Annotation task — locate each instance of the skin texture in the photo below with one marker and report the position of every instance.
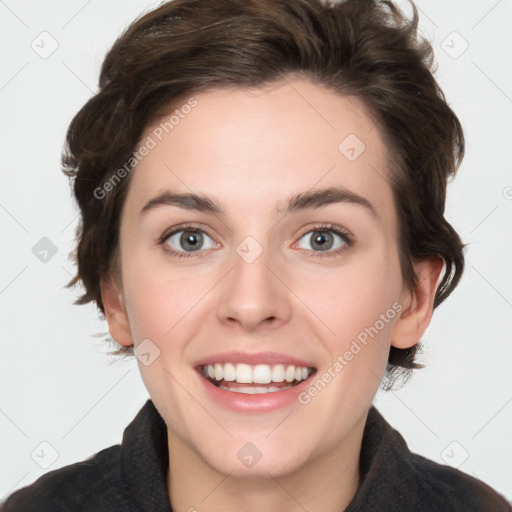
(252, 150)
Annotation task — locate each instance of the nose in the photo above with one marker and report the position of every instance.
(253, 294)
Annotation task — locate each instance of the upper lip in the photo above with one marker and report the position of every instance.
(270, 358)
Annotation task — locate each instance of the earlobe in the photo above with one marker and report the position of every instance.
(417, 313)
(115, 313)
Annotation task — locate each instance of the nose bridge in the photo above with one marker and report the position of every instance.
(252, 293)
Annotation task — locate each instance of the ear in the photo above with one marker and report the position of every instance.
(115, 312)
(418, 304)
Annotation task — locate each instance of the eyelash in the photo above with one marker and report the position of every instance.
(342, 233)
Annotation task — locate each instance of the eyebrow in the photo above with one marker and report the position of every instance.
(303, 201)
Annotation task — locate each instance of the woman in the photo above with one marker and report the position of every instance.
(262, 187)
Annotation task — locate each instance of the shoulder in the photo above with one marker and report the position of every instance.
(87, 485)
(397, 479)
(447, 488)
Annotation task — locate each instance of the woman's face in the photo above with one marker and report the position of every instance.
(261, 274)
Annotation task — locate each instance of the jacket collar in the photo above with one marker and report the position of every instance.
(145, 461)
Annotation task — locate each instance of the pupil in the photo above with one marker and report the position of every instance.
(320, 238)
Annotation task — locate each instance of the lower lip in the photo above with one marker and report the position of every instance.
(260, 402)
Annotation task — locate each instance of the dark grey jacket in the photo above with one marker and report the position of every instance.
(132, 477)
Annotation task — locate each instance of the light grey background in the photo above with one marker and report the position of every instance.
(57, 385)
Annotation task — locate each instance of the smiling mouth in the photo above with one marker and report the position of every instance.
(255, 379)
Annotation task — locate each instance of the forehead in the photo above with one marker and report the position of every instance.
(255, 147)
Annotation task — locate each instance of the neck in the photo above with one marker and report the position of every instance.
(328, 483)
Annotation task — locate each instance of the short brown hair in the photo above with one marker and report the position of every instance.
(366, 48)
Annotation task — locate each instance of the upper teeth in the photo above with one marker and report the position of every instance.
(259, 374)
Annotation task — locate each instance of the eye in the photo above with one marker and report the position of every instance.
(330, 239)
(186, 240)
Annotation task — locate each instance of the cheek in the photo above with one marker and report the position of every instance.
(166, 312)
(360, 307)
(162, 304)
(351, 300)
